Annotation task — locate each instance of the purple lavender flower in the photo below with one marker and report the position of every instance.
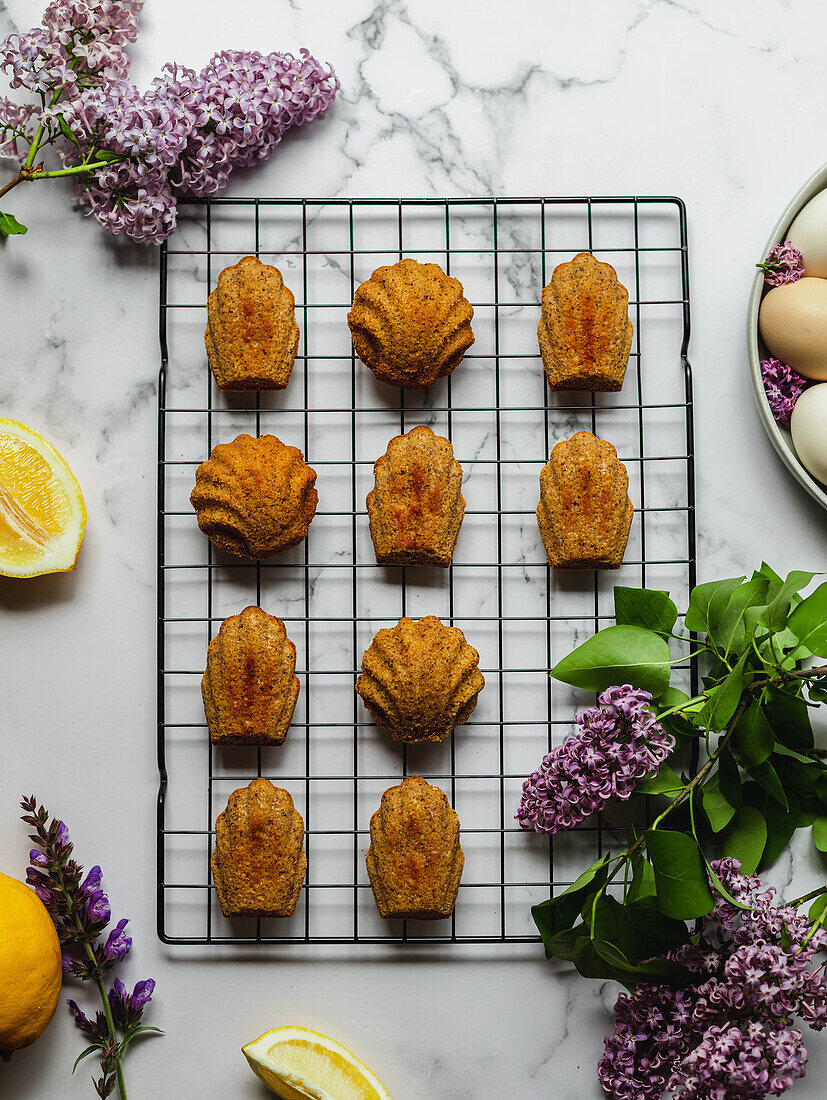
(730, 1036)
(117, 944)
(784, 264)
(618, 743)
(127, 1008)
(783, 387)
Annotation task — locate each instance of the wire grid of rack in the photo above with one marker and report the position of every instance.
(332, 597)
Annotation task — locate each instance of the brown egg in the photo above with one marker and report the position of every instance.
(793, 325)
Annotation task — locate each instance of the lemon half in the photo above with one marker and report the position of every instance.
(300, 1064)
(42, 514)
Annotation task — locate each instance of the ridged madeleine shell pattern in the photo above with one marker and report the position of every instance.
(250, 685)
(259, 863)
(415, 860)
(585, 513)
(255, 497)
(251, 335)
(411, 324)
(585, 334)
(416, 506)
(420, 679)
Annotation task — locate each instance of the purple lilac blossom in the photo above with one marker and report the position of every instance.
(729, 1036)
(784, 264)
(783, 387)
(183, 136)
(618, 743)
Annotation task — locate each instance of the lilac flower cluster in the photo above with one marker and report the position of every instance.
(618, 743)
(730, 1036)
(783, 387)
(784, 264)
(184, 135)
(81, 913)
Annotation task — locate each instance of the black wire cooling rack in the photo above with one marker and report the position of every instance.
(503, 421)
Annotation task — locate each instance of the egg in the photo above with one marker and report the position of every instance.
(809, 430)
(808, 234)
(793, 325)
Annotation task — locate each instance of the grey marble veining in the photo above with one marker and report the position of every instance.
(720, 104)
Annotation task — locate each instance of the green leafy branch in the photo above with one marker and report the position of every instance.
(761, 779)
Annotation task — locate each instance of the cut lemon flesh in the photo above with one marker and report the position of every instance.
(300, 1064)
(42, 514)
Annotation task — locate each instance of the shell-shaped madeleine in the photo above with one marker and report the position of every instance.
(258, 863)
(415, 860)
(411, 324)
(251, 335)
(420, 679)
(255, 497)
(416, 506)
(250, 685)
(585, 334)
(585, 513)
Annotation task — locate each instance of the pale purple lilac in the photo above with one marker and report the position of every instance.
(784, 264)
(783, 387)
(730, 1036)
(184, 135)
(618, 743)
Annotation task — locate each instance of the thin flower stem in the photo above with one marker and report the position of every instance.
(80, 168)
(12, 183)
(681, 706)
(807, 897)
(38, 137)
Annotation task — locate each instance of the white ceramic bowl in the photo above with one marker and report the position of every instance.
(780, 437)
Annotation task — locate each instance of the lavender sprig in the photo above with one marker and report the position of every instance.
(132, 153)
(81, 912)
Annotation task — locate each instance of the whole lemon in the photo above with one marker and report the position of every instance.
(30, 970)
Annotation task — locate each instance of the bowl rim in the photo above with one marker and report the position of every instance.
(779, 439)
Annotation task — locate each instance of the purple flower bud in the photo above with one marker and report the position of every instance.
(63, 835)
(117, 945)
(92, 883)
(142, 993)
(37, 881)
(37, 857)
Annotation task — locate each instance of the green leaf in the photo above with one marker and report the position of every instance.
(778, 609)
(680, 875)
(723, 699)
(731, 632)
(65, 130)
(708, 602)
(598, 959)
(559, 913)
(647, 607)
(719, 812)
(745, 838)
(809, 622)
(10, 226)
(753, 735)
(781, 823)
(618, 655)
(643, 882)
(729, 779)
(85, 1054)
(109, 157)
(817, 908)
(820, 833)
(664, 781)
(767, 776)
(789, 717)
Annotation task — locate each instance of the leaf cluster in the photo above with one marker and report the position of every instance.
(761, 777)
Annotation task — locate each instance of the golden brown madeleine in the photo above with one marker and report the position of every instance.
(416, 506)
(259, 864)
(420, 679)
(585, 513)
(250, 685)
(415, 860)
(585, 334)
(251, 335)
(411, 324)
(255, 497)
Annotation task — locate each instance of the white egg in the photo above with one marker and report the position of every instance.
(809, 430)
(808, 234)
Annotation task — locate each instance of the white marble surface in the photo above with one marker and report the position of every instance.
(720, 104)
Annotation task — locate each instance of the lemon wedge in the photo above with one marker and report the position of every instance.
(300, 1064)
(42, 514)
